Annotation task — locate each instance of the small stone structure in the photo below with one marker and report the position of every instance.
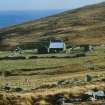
(88, 78)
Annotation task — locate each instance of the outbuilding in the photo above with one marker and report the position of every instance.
(56, 47)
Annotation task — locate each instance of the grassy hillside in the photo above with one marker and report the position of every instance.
(83, 25)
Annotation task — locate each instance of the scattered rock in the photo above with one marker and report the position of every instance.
(67, 82)
(96, 94)
(63, 82)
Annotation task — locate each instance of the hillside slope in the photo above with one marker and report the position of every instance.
(83, 25)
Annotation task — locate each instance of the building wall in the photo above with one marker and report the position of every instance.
(55, 50)
(42, 50)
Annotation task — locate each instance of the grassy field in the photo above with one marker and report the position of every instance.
(53, 67)
(41, 75)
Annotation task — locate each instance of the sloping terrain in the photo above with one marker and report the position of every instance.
(81, 26)
(43, 80)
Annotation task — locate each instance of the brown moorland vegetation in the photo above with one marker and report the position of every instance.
(80, 26)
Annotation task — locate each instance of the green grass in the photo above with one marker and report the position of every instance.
(41, 61)
(4, 53)
(37, 63)
(42, 71)
(47, 62)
